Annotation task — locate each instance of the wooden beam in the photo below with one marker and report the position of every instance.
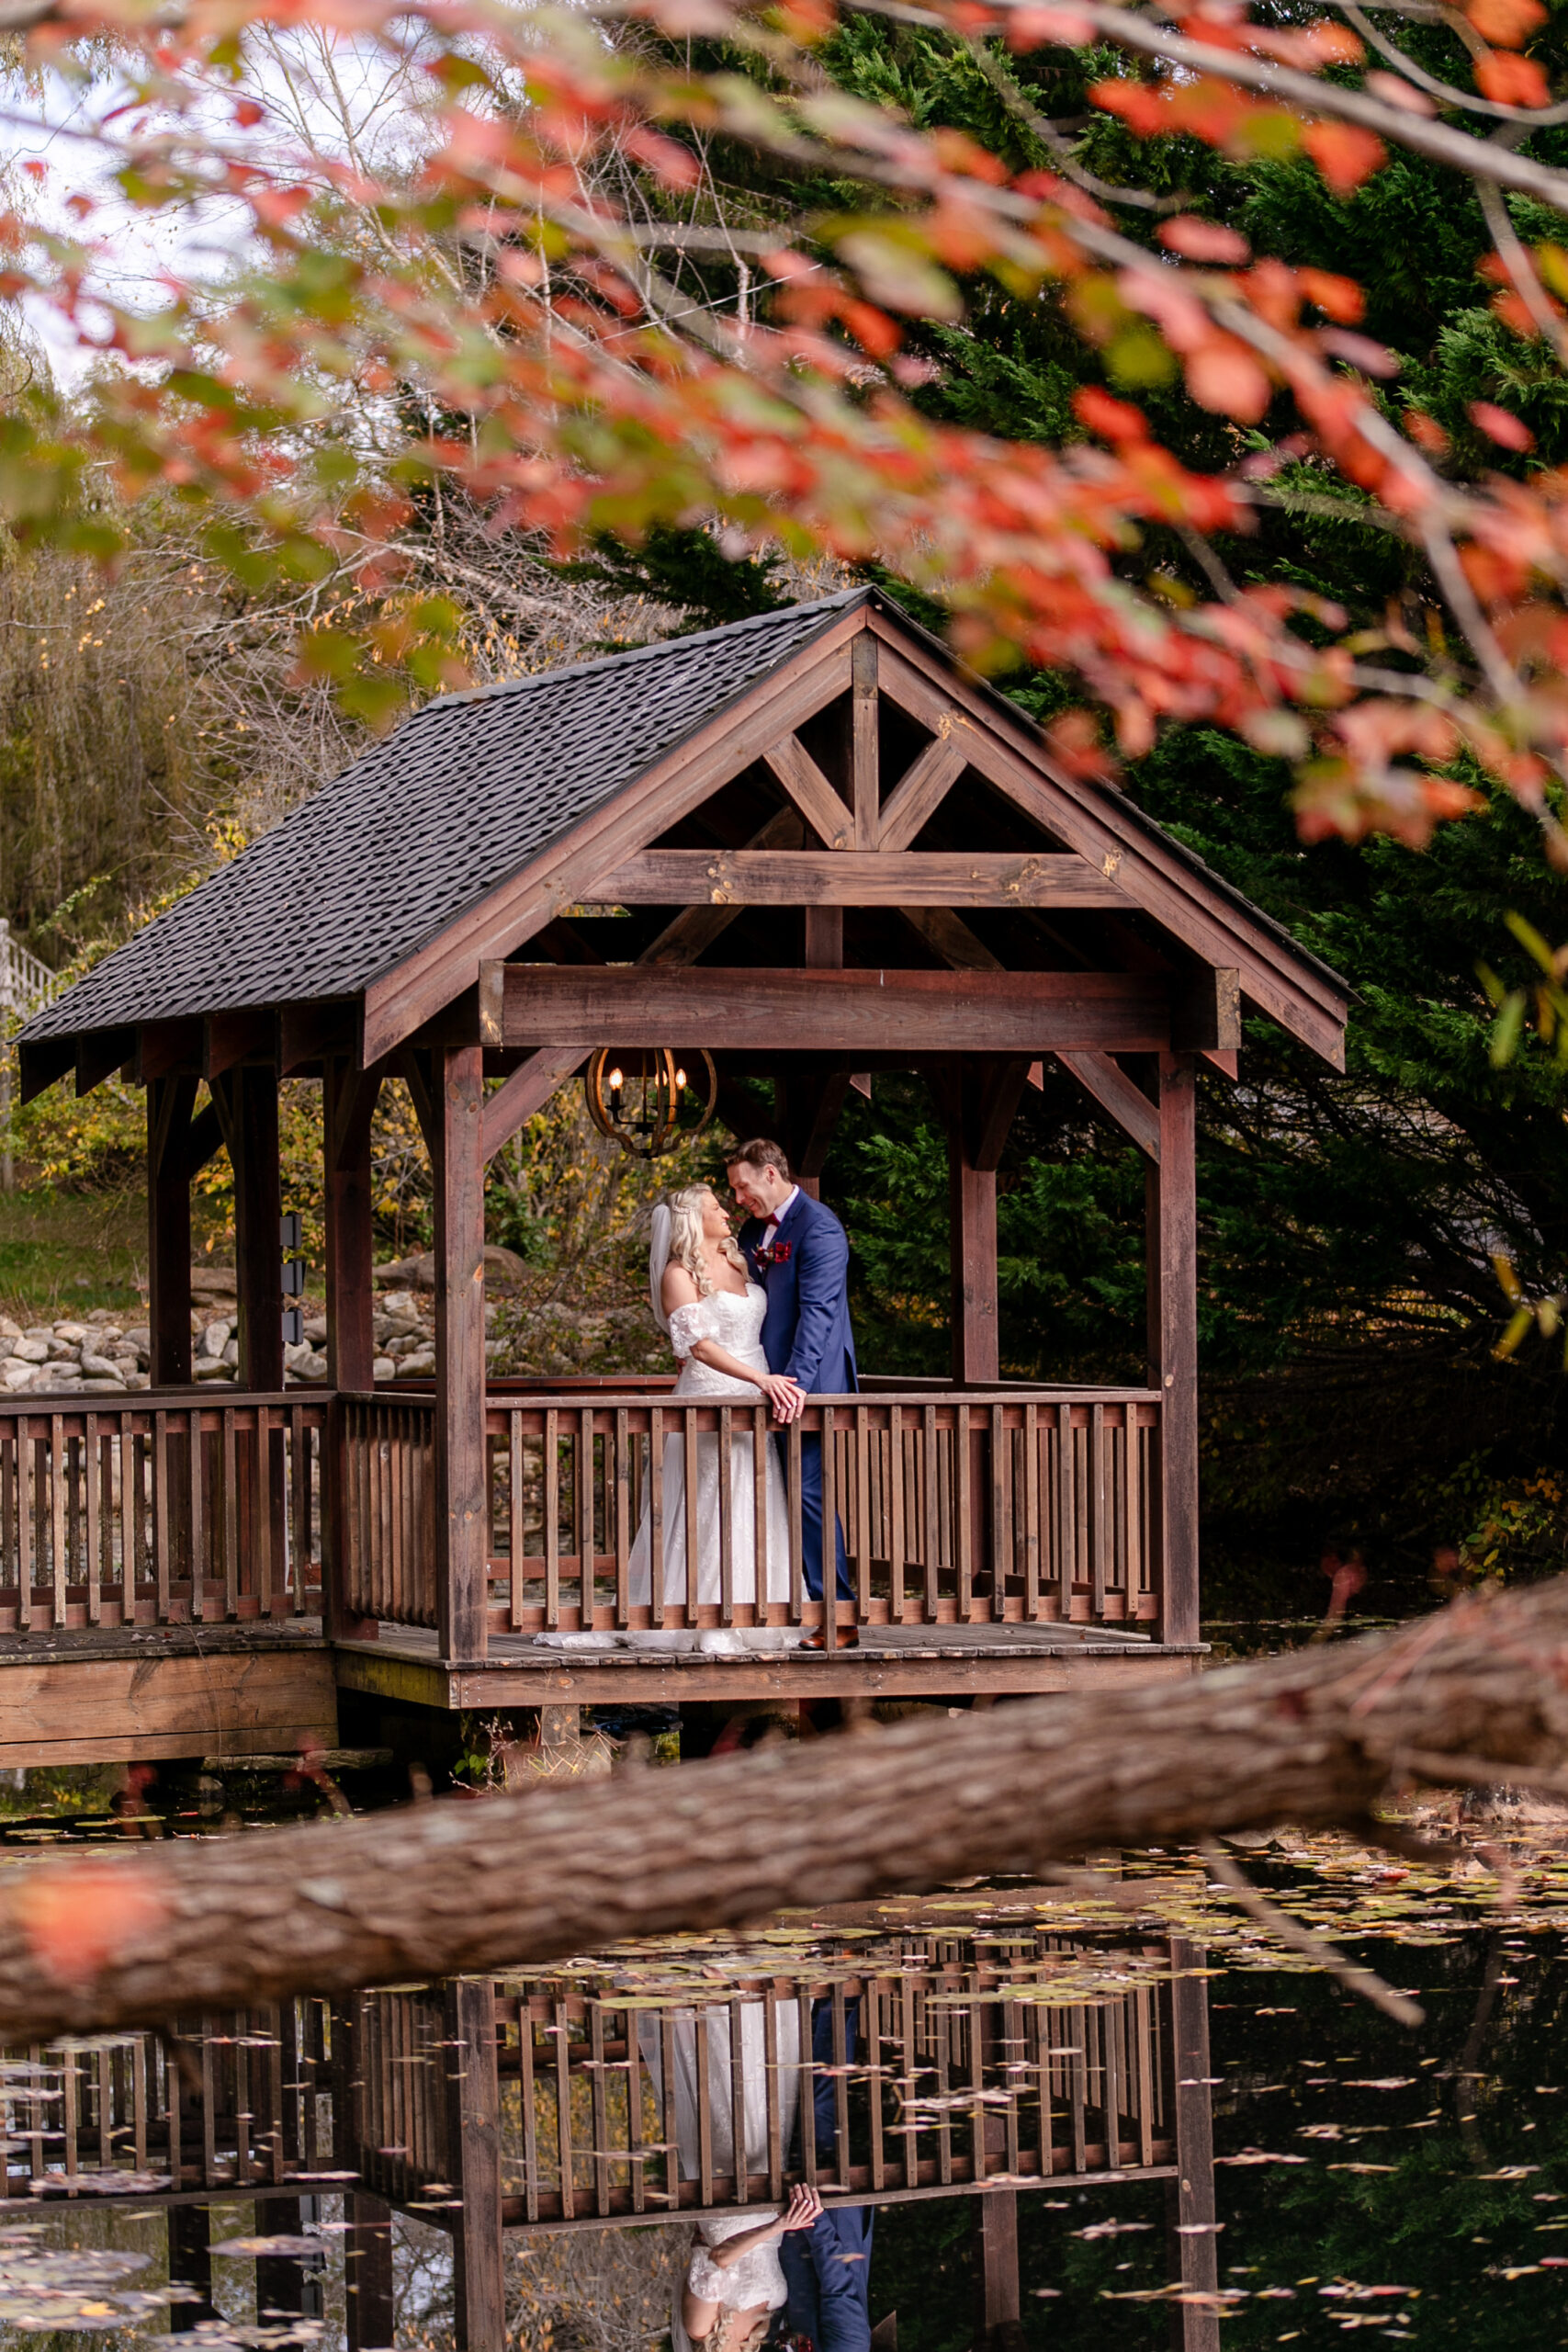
(169, 1049)
(169, 1102)
(528, 1088)
(1172, 1260)
(865, 756)
(42, 1060)
(313, 1031)
(1205, 1012)
(693, 933)
(348, 1106)
(369, 2301)
(923, 787)
(991, 1094)
(692, 878)
(919, 1012)
(99, 1053)
(823, 938)
(414, 1069)
(687, 774)
(807, 1107)
(995, 2231)
(1008, 754)
(204, 1138)
(462, 1565)
(1116, 1093)
(811, 792)
(231, 1039)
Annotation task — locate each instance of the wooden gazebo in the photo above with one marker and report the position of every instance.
(812, 843)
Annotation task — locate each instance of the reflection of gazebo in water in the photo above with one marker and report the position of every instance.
(960, 2060)
(813, 845)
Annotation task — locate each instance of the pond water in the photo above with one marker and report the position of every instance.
(1410, 2180)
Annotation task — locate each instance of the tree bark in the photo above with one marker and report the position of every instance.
(1315, 1738)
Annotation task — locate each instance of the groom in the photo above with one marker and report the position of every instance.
(800, 1254)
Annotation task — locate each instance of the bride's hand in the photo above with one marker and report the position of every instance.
(784, 1395)
(804, 2209)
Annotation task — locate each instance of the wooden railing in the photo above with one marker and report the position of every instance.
(160, 1513)
(938, 2073)
(229, 2103)
(1018, 1507)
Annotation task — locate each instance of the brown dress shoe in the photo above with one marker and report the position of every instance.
(847, 1637)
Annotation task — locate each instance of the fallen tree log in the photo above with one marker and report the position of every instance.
(1318, 1737)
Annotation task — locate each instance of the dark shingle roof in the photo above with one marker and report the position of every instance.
(425, 826)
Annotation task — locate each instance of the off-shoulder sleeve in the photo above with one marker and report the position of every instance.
(690, 1324)
(703, 2276)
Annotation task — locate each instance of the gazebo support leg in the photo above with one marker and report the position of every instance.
(348, 1103)
(1172, 1242)
(257, 1207)
(461, 1534)
(972, 1197)
(169, 1104)
(1193, 2251)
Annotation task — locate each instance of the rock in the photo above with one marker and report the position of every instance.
(137, 1380)
(232, 1353)
(139, 1337)
(215, 1339)
(423, 1360)
(63, 1351)
(72, 1334)
(15, 1374)
(383, 1369)
(501, 1266)
(94, 1367)
(310, 1366)
(316, 1331)
(213, 1282)
(32, 1348)
(210, 1368)
(100, 1385)
(9, 1331)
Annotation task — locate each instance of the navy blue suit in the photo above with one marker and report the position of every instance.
(828, 2272)
(806, 1333)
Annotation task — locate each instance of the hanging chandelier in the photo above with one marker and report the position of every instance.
(650, 1101)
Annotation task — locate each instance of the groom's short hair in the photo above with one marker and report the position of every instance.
(761, 1152)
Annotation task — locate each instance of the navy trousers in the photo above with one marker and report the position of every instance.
(828, 2272)
(811, 1524)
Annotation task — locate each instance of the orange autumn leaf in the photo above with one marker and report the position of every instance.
(1224, 376)
(77, 1920)
(1509, 432)
(1511, 81)
(1198, 240)
(1344, 155)
(1509, 23)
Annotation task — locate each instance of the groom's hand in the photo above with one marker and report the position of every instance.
(788, 1399)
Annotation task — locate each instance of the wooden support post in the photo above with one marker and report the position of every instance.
(972, 1214)
(996, 2232)
(462, 1565)
(251, 1094)
(284, 2287)
(169, 1104)
(473, 2134)
(1172, 1258)
(367, 2264)
(191, 2264)
(348, 1103)
(864, 763)
(1192, 2251)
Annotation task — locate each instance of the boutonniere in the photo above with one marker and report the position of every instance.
(781, 1252)
(773, 1253)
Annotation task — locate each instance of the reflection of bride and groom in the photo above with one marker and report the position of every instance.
(763, 1314)
(799, 2276)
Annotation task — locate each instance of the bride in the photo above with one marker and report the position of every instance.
(712, 1315)
(703, 1300)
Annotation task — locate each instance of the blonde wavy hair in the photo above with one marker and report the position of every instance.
(686, 1246)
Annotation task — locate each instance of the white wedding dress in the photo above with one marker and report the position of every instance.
(733, 1320)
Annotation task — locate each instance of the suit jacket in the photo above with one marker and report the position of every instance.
(805, 1331)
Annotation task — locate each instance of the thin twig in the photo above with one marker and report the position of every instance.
(1350, 1974)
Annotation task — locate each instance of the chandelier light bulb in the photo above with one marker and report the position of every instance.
(679, 1078)
(618, 1081)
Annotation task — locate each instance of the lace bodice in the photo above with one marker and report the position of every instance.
(757, 2279)
(732, 1320)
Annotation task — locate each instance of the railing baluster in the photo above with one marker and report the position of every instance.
(59, 1483)
(552, 1519)
(762, 1522)
(740, 2185)
(931, 1514)
(896, 1514)
(774, 2089)
(229, 1443)
(515, 1529)
(861, 1438)
(621, 1499)
(656, 1510)
(194, 1468)
(796, 1545)
(725, 1516)
(92, 1526)
(830, 1458)
(690, 1538)
(584, 1493)
(1096, 1508)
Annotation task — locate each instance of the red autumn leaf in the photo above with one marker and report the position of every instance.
(1509, 23)
(1140, 108)
(1029, 29)
(79, 1918)
(247, 114)
(1113, 420)
(1425, 431)
(1198, 240)
(1511, 81)
(1509, 432)
(1224, 376)
(1344, 155)
(675, 165)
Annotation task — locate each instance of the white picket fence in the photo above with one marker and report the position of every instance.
(26, 984)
